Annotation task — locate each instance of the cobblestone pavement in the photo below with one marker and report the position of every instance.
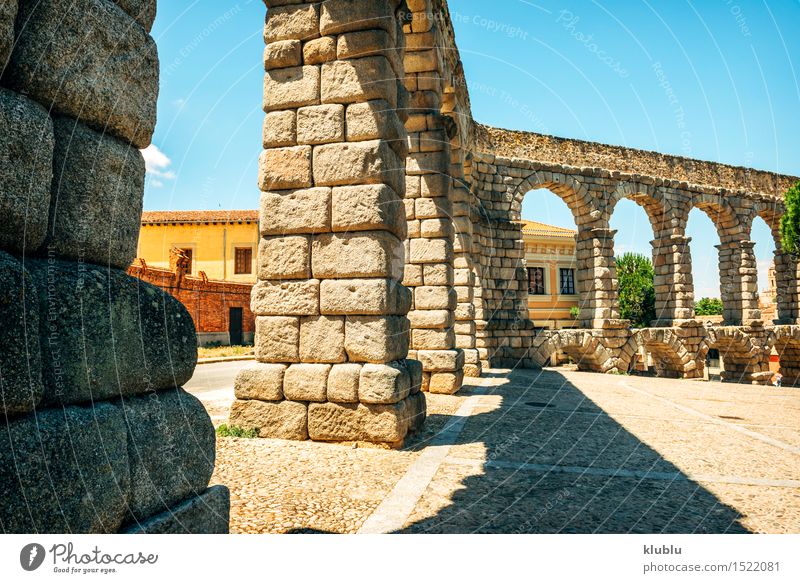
(539, 451)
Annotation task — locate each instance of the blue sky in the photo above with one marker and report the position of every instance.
(715, 80)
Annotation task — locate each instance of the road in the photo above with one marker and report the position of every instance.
(218, 376)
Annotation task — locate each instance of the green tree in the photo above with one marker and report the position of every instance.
(790, 221)
(708, 307)
(637, 296)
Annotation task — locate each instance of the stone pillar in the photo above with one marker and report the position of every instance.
(596, 275)
(731, 294)
(786, 288)
(429, 209)
(332, 334)
(93, 422)
(674, 287)
(748, 283)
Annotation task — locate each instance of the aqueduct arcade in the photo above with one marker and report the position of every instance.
(414, 271)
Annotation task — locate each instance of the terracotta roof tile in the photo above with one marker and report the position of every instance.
(536, 228)
(220, 216)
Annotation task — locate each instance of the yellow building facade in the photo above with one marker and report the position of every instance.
(221, 244)
(552, 280)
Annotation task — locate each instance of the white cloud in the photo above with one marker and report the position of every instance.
(157, 164)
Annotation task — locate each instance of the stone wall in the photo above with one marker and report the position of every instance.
(207, 301)
(97, 436)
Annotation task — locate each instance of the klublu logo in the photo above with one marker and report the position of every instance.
(31, 556)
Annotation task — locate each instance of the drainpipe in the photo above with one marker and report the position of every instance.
(225, 253)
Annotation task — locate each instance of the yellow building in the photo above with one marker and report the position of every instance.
(552, 283)
(222, 244)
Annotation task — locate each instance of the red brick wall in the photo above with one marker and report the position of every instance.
(207, 301)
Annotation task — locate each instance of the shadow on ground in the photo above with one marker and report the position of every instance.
(541, 457)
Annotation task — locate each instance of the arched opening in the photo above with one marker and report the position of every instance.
(656, 352)
(704, 274)
(765, 235)
(549, 236)
(637, 263)
(742, 359)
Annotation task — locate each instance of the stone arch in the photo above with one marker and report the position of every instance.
(744, 359)
(722, 214)
(670, 356)
(650, 198)
(786, 342)
(735, 253)
(787, 293)
(585, 349)
(564, 186)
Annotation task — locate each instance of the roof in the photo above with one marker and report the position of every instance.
(544, 230)
(220, 216)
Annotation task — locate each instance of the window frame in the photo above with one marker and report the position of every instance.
(531, 290)
(570, 281)
(236, 251)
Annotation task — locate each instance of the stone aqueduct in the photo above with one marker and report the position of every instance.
(372, 160)
(390, 261)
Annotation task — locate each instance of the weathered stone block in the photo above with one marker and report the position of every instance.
(417, 410)
(8, 10)
(343, 383)
(371, 297)
(283, 53)
(64, 471)
(306, 382)
(437, 274)
(414, 368)
(277, 339)
(282, 420)
(383, 383)
(100, 70)
(367, 208)
(437, 297)
(260, 381)
(338, 16)
(432, 208)
(322, 339)
(433, 339)
(96, 200)
(446, 383)
(351, 422)
(208, 513)
(431, 250)
(358, 80)
(285, 168)
(320, 124)
(362, 254)
(280, 129)
(319, 50)
(26, 167)
(370, 162)
(291, 87)
(441, 360)
(366, 43)
(430, 318)
(295, 211)
(86, 306)
(282, 258)
(291, 22)
(142, 11)
(20, 360)
(171, 448)
(373, 120)
(376, 339)
(285, 298)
